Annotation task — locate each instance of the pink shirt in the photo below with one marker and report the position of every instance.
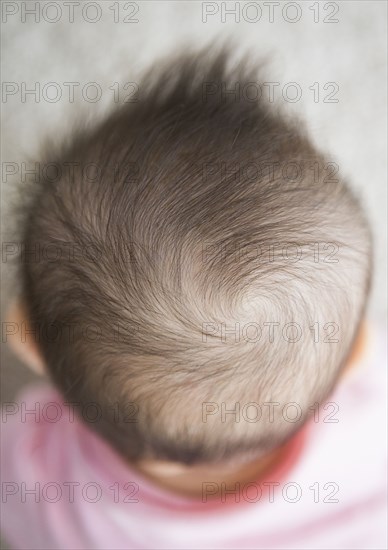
(65, 488)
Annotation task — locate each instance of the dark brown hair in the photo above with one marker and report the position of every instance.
(150, 251)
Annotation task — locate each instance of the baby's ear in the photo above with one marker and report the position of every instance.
(22, 339)
(359, 348)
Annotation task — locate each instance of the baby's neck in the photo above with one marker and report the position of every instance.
(189, 481)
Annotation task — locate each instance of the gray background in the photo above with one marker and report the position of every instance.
(350, 52)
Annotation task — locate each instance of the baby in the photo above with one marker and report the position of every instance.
(194, 282)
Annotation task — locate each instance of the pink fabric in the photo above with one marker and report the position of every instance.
(349, 455)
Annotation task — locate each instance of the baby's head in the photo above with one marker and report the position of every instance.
(197, 255)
